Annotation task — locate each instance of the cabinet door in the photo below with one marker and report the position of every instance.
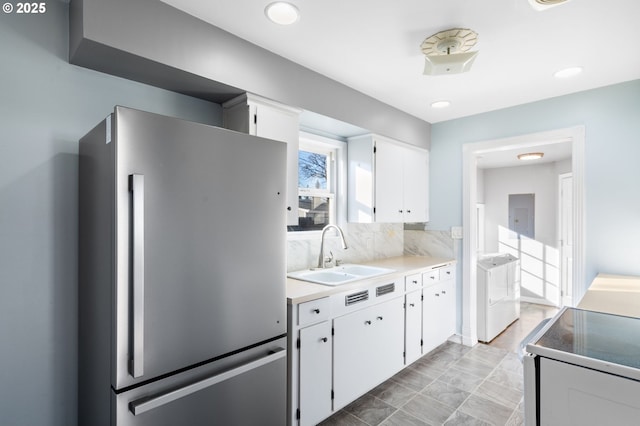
(431, 318)
(388, 182)
(416, 185)
(367, 349)
(448, 311)
(273, 123)
(413, 326)
(315, 373)
(389, 339)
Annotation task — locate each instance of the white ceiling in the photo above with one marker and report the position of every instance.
(553, 151)
(374, 47)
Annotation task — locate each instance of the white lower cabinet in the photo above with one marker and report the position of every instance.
(367, 349)
(340, 347)
(315, 373)
(438, 308)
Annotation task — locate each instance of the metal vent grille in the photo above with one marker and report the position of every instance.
(385, 289)
(360, 296)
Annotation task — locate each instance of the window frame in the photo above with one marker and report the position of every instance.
(336, 179)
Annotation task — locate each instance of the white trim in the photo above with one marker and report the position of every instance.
(563, 281)
(537, 301)
(470, 151)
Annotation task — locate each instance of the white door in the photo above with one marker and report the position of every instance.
(566, 237)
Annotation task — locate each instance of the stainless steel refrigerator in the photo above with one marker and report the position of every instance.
(182, 315)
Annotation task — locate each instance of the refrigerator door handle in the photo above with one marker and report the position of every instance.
(146, 404)
(136, 187)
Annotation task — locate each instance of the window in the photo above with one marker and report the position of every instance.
(319, 161)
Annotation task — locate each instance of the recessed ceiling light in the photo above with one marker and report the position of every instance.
(530, 156)
(440, 104)
(282, 13)
(568, 72)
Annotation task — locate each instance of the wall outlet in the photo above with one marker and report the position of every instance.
(456, 232)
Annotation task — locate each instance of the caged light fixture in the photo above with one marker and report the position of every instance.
(447, 52)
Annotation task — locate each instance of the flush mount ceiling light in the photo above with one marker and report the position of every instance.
(545, 4)
(568, 72)
(447, 52)
(530, 156)
(282, 13)
(440, 104)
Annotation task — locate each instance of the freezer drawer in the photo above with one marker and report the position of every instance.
(248, 389)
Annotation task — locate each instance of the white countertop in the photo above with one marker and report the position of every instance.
(302, 291)
(613, 294)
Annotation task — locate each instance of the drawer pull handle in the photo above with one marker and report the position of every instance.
(324, 339)
(367, 323)
(438, 294)
(412, 304)
(317, 311)
(145, 404)
(379, 318)
(444, 292)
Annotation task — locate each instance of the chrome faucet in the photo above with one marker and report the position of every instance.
(321, 259)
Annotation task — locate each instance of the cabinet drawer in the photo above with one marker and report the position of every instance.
(412, 282)
(447, 273)
(431, 277)
(313, 311)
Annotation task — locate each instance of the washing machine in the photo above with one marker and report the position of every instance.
(498, 294)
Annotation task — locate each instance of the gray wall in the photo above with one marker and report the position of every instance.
(46, 105)
(151, 39)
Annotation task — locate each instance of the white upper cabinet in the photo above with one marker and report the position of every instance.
(388, 181)
(265, 118)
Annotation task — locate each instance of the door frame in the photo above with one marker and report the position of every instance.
(470, 151)
(565, 283)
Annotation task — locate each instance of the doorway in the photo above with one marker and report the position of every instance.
(471, 151)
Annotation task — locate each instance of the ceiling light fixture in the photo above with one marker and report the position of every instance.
(447, 52)
(440, 104)
(282, 13)
(545, 4)
(530, 156)
(568, 72)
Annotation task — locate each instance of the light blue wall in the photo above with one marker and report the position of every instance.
(46, 105)
(611, 116)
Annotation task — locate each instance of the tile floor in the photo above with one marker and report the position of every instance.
(452, 385)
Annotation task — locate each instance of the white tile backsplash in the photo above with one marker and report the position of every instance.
(430, 243)
(366, 242)
(371, 241)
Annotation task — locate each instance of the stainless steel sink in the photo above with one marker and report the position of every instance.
(339, 275)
